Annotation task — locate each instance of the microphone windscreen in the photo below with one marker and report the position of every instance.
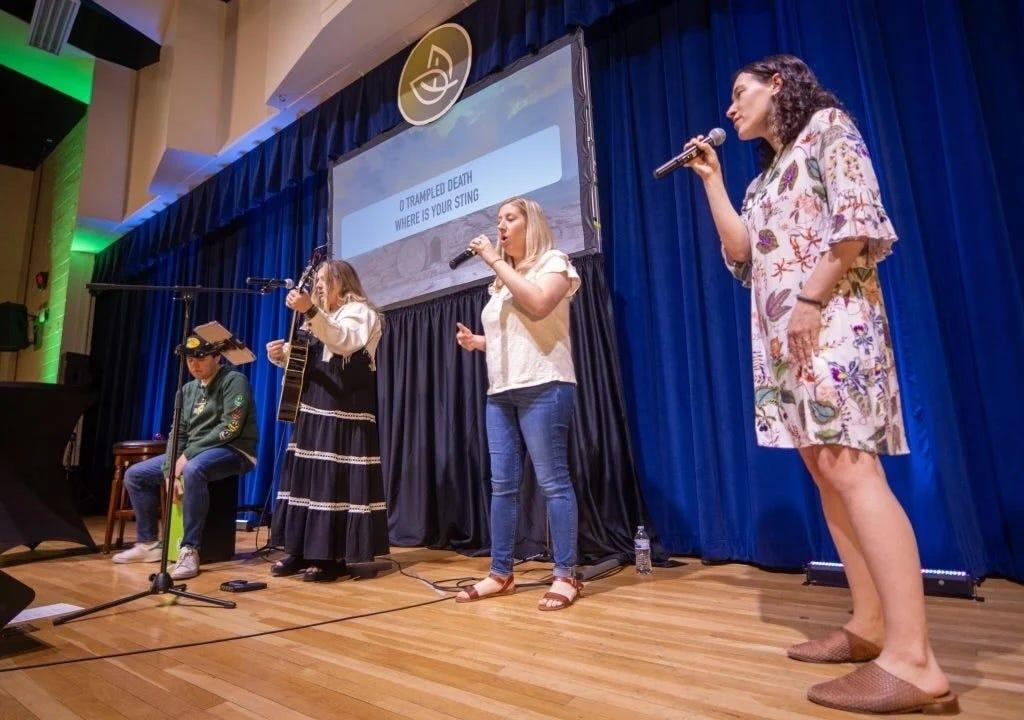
(716, 137)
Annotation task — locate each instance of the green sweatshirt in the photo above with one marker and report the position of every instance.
(221, 413)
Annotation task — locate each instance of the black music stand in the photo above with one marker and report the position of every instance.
(162, 583)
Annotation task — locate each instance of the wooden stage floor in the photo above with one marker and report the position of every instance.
(687, 642)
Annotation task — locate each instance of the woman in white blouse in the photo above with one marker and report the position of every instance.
(531, 391)
(330, 503)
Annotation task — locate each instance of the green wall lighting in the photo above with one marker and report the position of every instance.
(91, 241)
(69, 73)
(64, 168)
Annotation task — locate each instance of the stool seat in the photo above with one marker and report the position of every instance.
(144, 447)
(126, 454)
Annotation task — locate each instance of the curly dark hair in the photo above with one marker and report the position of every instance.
(800, 97)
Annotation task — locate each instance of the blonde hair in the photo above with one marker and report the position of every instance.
(344, 277)
(539, 238)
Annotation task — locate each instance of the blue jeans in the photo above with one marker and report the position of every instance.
(539, 415)
(143, 482)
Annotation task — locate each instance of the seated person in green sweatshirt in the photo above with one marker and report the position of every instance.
(217, 439)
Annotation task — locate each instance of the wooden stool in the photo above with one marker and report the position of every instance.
(127, 454)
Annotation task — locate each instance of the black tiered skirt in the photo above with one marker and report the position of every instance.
(330, 501)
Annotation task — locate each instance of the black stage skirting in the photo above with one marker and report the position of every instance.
(35, 499)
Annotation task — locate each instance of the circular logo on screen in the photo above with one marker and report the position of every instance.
(435, 74)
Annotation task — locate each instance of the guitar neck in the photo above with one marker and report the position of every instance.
(294, 328)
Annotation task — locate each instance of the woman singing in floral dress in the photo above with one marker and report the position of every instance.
(807, 240)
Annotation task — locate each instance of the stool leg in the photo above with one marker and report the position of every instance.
(121, 516)
(115, 494)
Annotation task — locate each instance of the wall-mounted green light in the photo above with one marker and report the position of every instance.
(69, 73)
(91, 241)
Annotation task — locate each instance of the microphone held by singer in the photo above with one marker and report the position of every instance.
(461, 258)
(715, 137)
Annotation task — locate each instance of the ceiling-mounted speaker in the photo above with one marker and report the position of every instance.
(51, 24)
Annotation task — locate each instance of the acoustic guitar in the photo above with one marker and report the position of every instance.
(298, 355)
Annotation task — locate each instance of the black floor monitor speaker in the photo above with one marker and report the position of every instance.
(75, 369)
(14, 597)
(13, 327)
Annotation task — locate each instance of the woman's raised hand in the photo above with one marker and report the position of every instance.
(705, 164)
(298, 300)
(467, 340)
(482, 246)
(275, 351)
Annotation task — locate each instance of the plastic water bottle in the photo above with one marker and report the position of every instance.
(642, 548)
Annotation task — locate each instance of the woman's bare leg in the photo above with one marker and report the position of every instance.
(881, 530)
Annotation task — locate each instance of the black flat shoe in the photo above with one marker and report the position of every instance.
(324, 571)
(288, 565)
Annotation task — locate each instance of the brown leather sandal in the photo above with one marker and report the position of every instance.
(872, 689)
(562, 600)
(837, 646)
(508, 586)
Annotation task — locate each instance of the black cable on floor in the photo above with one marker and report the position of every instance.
(460, 584)
(200, 643)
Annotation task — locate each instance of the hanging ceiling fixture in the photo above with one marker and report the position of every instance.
(51, 24)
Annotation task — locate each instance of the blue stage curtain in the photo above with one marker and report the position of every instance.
(928, 84)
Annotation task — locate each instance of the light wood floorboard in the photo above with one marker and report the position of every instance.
(687, 642)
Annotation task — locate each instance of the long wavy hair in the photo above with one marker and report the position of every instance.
(343, 276)
(799, 98)
(539, 238)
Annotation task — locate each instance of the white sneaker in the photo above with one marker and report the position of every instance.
(139, 553)
(187, 565)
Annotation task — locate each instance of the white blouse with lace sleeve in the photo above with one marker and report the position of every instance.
(347, 330)
(524, 351)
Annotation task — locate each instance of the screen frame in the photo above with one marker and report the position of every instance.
(585, 153)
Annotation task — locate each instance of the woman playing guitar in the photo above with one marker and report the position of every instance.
(330, 504)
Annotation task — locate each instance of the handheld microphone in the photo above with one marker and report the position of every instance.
(286, 283)
(715, 137)
(461, 258)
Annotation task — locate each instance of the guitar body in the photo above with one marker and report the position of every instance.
(298, 355)
(291, 385)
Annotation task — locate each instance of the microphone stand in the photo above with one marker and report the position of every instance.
(162, 583)
(545, 555)
(264, 288)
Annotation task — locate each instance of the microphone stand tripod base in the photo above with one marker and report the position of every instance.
(586, 573)
(162, 585)
(368, 570)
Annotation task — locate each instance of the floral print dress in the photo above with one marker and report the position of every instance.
(820, 191)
